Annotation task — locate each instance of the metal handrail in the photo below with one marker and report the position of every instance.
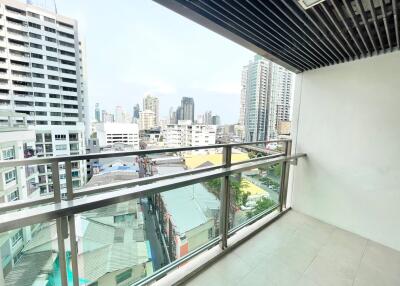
(131, 191)
(34, 161)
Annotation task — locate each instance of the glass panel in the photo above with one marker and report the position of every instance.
(243, 153)
(128, 241)
(253, 192)
(29, 255)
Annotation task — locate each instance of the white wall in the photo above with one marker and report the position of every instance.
(347, 120)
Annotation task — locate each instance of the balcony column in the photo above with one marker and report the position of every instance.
(285, 176)
(225, 199)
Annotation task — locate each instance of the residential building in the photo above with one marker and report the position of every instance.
(172, 116)
(97, 114)
(187, 134)
(152, 103)
(207, 118)
(268, 91)
(113, 133)
(17, 141)
(215, 120)
(243, 89)
(43, 75)
(121, 116)
(136, 112)
(187, 109)
(147, 120)
(107, 117)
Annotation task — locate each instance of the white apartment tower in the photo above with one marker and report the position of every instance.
(267, 90)
(243, 83)
(152, 103)
(42, 74)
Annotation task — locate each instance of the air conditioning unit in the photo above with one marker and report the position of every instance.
(309, 3)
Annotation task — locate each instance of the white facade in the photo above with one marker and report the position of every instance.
(42, 75)
(348, 124)
(185, 134)
(147, 119)
(266, 89)
(112, 133)
(152, 103)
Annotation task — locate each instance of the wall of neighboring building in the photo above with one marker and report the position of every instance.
(347, 121)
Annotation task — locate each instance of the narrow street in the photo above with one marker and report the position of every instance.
(151, 234)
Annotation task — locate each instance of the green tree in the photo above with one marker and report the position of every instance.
(261, 206)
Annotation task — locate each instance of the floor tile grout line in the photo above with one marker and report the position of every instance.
(359, 263)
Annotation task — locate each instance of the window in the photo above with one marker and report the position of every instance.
(50, 39)
(64, 24)
(75, 174)
(36, 46)
(61, 146)
(51, 20)
(33, 25)
(55, 114)
(38, 75)
(38, 66)
(52, 68)
(53, 77)
(54, 104)
(68, 71)
(53, 86)
(67, 35)
(13, 196)
(52, 59)
(123, 276)
(40, 94)
(69, 80)
(36, 84)
(35, 36)
(17, 237)
(38, 103)
(51, 30)
(70, 63)
(47, 137)
(51, 49)
(41, 113)
(65, 44)
(10, 176)
(34, 15)
(36, 56)
(56, 123)
(9, 154)
(123, 218)
(67, 53)
(60, 137)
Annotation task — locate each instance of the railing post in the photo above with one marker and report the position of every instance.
(285, 176)
(62, 232)
(225, 199)
(71, 223)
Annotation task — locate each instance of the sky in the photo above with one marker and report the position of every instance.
(139, 47)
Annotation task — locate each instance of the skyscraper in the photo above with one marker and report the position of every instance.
(152, 103)
(136, 112)
(187, 105)
(267, 89)
(243, 96)
(43, 71)
(97, 115)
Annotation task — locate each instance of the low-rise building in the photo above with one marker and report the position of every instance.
(110, 134)
(186, 134)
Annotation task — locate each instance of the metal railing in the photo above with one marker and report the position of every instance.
(52, 207)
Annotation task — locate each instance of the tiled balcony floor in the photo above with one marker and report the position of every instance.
(299, 250)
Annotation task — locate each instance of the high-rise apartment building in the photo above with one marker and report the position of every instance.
(136, 112)
(147, 120)
(243, 84)
(216, 120)
(187, 109)
(152, 103)
(97, 114)
(42, 74)
(267, 89)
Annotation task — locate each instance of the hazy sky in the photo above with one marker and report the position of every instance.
(136, 47)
